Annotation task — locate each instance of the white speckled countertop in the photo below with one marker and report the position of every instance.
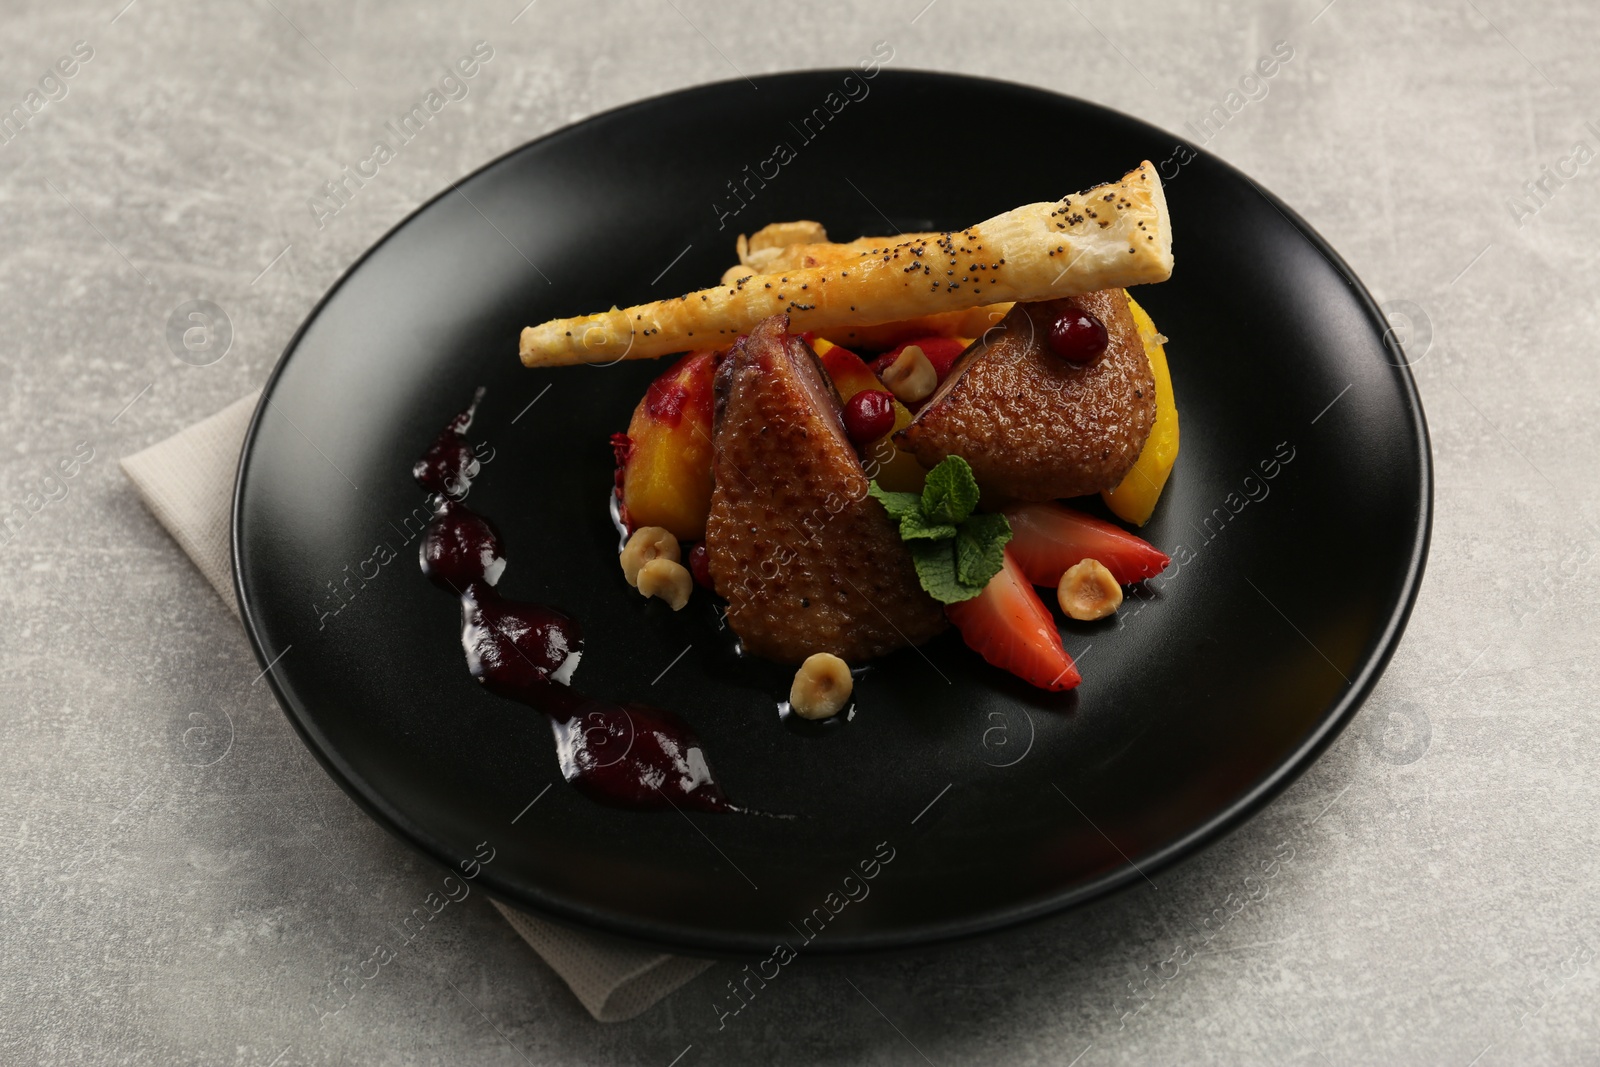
(180, 877)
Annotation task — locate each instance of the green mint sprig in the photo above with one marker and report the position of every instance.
(956, 551)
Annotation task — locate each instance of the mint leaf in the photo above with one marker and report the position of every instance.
(951, 492)
(898, 505)
(915, 526)
(955, 551)
(936, 570)
(980, 548)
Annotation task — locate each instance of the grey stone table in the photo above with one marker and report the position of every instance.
(1431, 892)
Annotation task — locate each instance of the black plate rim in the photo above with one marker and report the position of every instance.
(700, 941)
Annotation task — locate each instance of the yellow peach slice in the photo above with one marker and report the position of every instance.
(1135, 499)
(666, 478)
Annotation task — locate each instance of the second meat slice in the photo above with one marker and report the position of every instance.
(1032, 425)
(806, 559)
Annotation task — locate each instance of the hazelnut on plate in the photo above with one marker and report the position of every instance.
(821, 686)
(646, 544)
(911, 377)
(667, 580)
(1088, 592)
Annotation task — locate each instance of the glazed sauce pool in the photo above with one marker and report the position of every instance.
(626, 755)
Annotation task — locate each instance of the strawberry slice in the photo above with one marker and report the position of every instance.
(1048, 538)
(1008, 625)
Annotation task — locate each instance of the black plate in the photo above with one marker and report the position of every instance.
(999, 803)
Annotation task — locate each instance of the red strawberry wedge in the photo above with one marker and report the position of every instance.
(1008, 625)
(1048, 538)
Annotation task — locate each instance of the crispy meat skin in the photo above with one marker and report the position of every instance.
(806, 559)
(1034, 426)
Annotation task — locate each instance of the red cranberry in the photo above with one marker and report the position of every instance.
(868, 416)
(700, 564)
(1078, 337)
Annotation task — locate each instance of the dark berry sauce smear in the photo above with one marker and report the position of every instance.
(625, 755)
(449, 466)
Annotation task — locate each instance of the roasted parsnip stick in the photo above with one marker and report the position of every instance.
(764, 253)
(1112, 236)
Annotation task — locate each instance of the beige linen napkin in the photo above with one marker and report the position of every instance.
(187, 483)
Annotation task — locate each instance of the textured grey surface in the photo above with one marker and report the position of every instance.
(181, 880)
